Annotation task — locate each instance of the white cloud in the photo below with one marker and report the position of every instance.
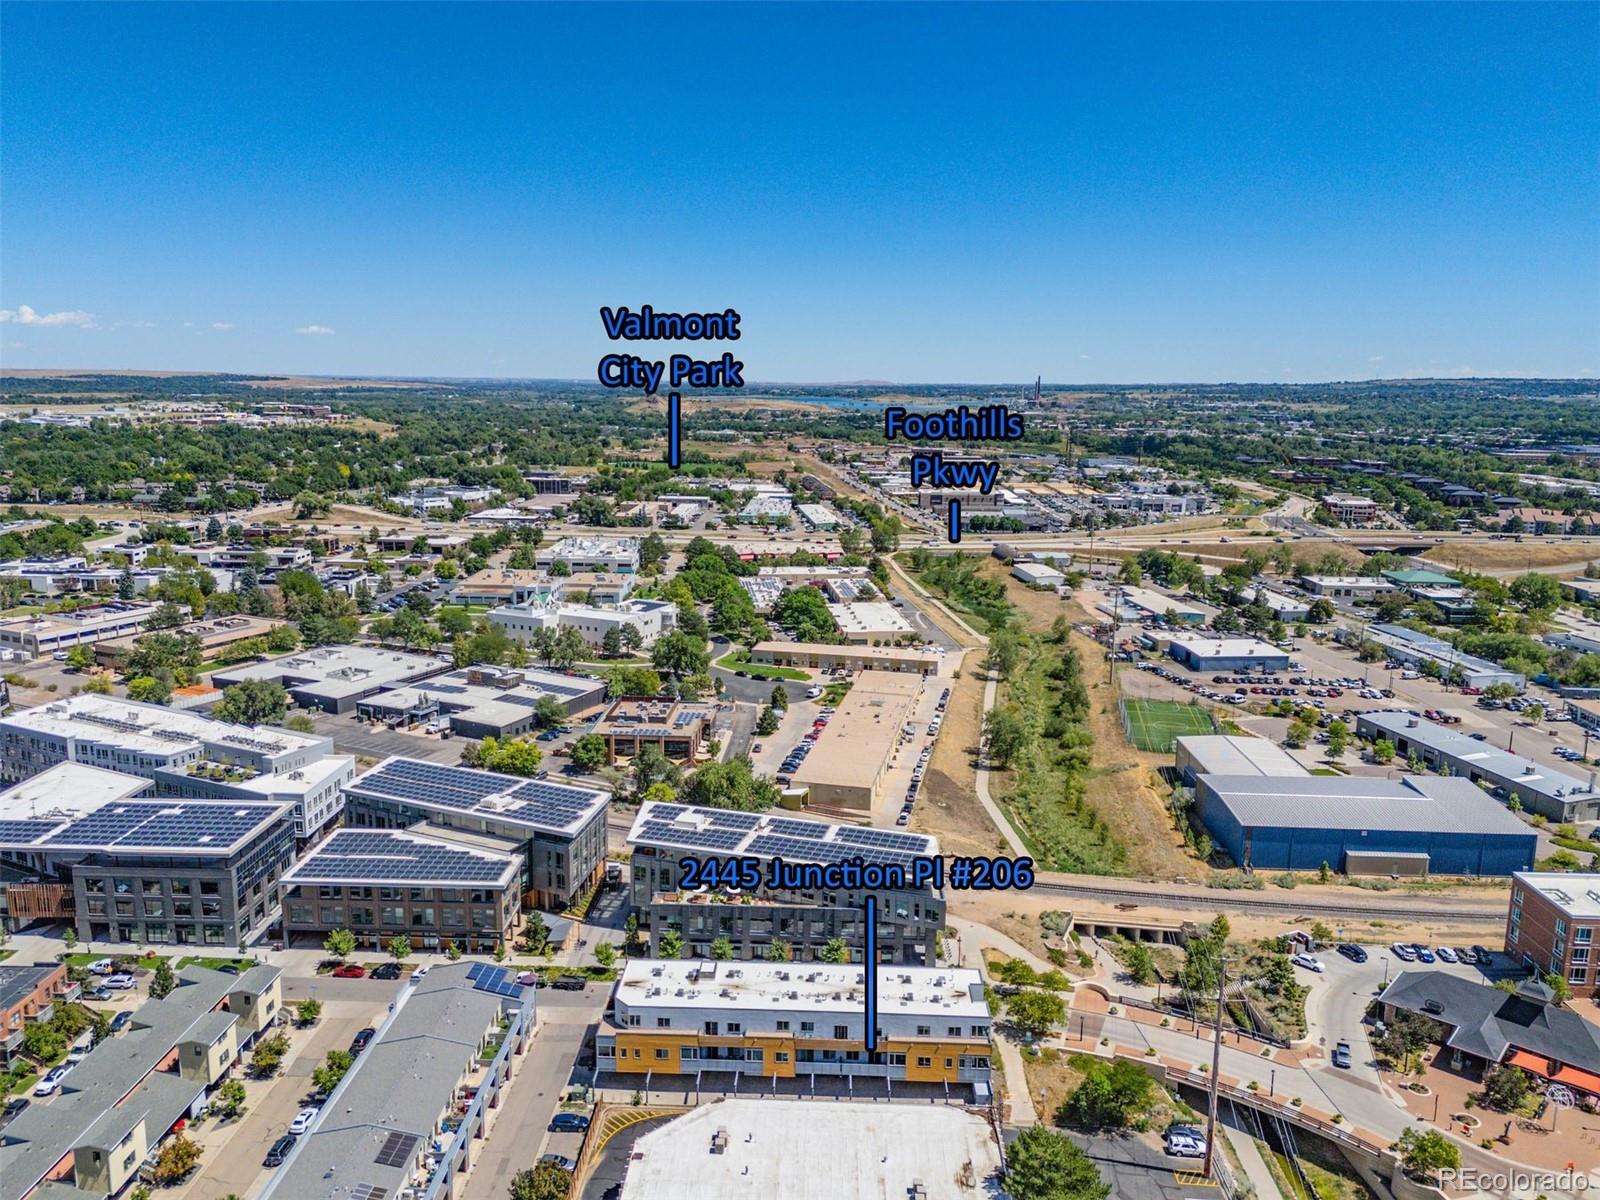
(223, 325)
(23, 315)
(1082, 356)
(1374, 358)
(315, 330)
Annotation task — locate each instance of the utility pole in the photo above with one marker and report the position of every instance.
(1216, 1066)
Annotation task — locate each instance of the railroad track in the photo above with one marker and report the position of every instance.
(1219, 898)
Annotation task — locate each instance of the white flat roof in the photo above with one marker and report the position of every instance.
(762, 987)
(1221, 754)
(1209, 645)
(1154, 602)
(869, 616)
(67, 789)
(1576, 895)
(805, 1150)
(146, 727)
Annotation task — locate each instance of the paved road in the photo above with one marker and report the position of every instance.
(519, 1135)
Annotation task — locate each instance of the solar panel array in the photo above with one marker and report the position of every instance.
(497, 981)
(800, 829)
(397, 1150)
(532, 801)
(368, 1191)
(808, 850)
(911, 843)
(691, 836)
(24, 831)
(726, 832)
(163, 824)
(367, 854)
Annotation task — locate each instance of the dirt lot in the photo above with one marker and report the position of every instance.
(948, 807)
(1514, 556)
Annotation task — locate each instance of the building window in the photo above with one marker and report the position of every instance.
(662, 1052)
(841, 1032)
(924, 1030)
(783, 1027)
(924, 1062)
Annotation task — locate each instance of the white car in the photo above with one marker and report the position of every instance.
(1447, 954)
(121, 983)
(48, 1085)
(302, 1121)
(1309, 962)
(813, 692)
(102, 966)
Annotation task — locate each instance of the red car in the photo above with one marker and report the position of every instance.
(349, 971)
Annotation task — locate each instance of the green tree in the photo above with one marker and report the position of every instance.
(543, 1181)
(268, 1056)
(835, 951)
(779, 700)
(177, 1158)
(80, 658)
(722, 949)
(253, 702)
(778, 951)
(227, 1101)
(766, 722)
(670, 944)
(340, 944)
(1006, 733)
(679, 655)
(1141, 965)
(147, 689)
(307, 1011)
(1044, 1165)
(399, 947)
(1109, 1096)
(536, 933)
(69, 938)
(333, 1069)
(589, 751)
(1505, 1087)
(1425, 1153)
(1383, 751)
(162, 980)
(1036, 1013)
(605, 954)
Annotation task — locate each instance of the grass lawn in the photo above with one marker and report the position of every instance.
(20, 1085)
(1155, 724)
(83, 960)
(739, 660)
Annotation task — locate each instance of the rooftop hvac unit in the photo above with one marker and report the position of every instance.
(719, 1141)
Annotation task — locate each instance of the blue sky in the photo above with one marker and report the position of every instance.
(922, 193)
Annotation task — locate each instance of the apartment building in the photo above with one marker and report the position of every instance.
(28, 995)
(120, 1103)
(909, 919)
(429, 883)
(1553, 926)
(787, 1020)
(559, 831)
(185, 755)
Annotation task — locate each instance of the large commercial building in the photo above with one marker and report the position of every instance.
(33, 637)
(1142, 604)
(494, 586)
(120, 1103)
(559, 830)
(1282, 607)
(823, 656)
(1553, 926)
(185, 755)
(1362, 826)
(849, 761)
(1222, 754)
(214, 634)
(1407, 646)
(647, 618)
(1553, 794)
(678, 730)
(484, 701)
(873, 622)
(1209, 652)
(785, 1021)
(909, 920)
(409, 1117)
(140, 869)
(1347, 587)
(337, 678)
(930, 1152)
(592, 554)
(429, 883)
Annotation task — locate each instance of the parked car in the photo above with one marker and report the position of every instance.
(1341, 1055)
(1485, 955)
(120, 983)
(362, 1039)
(349, 971)
(388, 970)
(1353, 953)
(569, 1123)
(1186, 1141)
(570, 983)
(559, 1160)
(1446, 954)
(121, 1021)
(1309, 962)
(279, 1151)
(1466, 955)
(528, 978)
(48, 1085)
(1403, 952)
(100, 992)
(102, 966)
(1422, 952)
(302, 1121)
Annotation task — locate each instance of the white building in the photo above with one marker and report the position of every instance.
(819, 516)
(865, 622)
(765, 509)
(35, 636)
(1036, 574)
(1347, 587)
(651, 618)
(1352, 510)
(1284, 608)
(592, 554)
(186, 755)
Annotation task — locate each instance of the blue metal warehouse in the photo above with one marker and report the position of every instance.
(1362, 826)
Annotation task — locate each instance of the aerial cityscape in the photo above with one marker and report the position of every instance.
(944, 602)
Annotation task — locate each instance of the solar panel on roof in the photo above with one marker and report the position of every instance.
(397, 1149)
(793, 828)
(24, 830)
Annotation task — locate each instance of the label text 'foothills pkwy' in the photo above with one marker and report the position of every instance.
(991, 423)
(962, 873)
